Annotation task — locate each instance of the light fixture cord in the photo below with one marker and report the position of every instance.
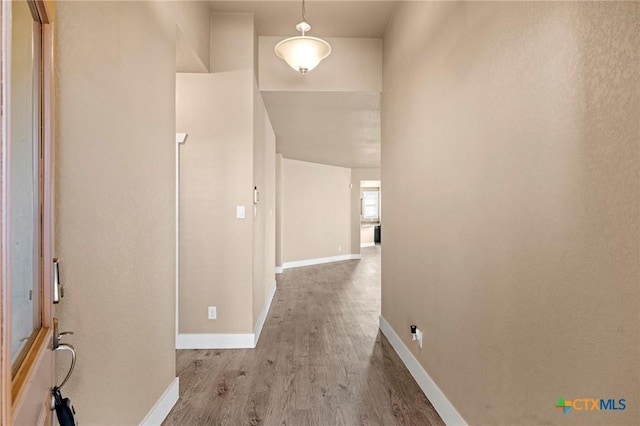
(303, 11)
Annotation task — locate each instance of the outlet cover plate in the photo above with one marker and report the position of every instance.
(212, 312)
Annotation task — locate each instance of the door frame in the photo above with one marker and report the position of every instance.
(30, 387)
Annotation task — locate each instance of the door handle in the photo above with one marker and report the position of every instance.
(56, 335)
(56, 389)
(65, 347)
(57, 346)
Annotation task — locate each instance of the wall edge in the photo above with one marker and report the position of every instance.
(263, 315)
(438, 399)
(163, 405)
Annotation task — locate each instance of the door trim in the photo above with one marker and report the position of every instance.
(5, 297)
(13, 391)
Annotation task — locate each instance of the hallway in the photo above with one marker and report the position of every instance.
(321, 360)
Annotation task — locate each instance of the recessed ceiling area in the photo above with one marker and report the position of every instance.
(339, 128)
(336, 128)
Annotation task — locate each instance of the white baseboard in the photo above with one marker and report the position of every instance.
(279, 269)
(320, 260)
(227, 340)
(263, 314)
(367, 245)
(161, 408)
(447, 411)
(215, 341)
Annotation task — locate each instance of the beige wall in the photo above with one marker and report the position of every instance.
(510, 168)
(355, 65)
(316, 211)
(193, 35)
(115, 204)
(358, 175)
(225, 261)
(264, 222)
(216, 175)
(232, 42)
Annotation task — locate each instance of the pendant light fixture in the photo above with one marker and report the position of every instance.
(303, 53)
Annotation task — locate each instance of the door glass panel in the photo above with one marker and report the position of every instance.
(24, 181)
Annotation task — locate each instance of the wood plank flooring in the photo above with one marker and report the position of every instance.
(320, 360)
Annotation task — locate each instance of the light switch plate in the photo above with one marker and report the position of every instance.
(212, 312)
(240, 212)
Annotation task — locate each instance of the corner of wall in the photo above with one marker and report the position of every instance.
(163, 406)
(264, 313)
(438, 399)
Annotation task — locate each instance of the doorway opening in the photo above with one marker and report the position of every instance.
(370, 213)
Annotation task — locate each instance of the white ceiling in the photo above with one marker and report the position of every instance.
(336, 128)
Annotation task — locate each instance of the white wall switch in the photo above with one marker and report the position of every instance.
(212, 312)
(240, 212)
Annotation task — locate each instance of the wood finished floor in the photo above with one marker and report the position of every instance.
(320, 360)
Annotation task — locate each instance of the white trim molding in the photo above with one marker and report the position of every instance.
(215, 341)
(320, 260)
(447, 411)
(263, 315)
(367, 245)
(181, 137)
(163, 406)
(279, 269)
(228, 340)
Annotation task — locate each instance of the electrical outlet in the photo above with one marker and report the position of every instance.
(419, 337)
(213, 314)
(339, 248)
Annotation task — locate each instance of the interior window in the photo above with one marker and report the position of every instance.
(370, 205)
